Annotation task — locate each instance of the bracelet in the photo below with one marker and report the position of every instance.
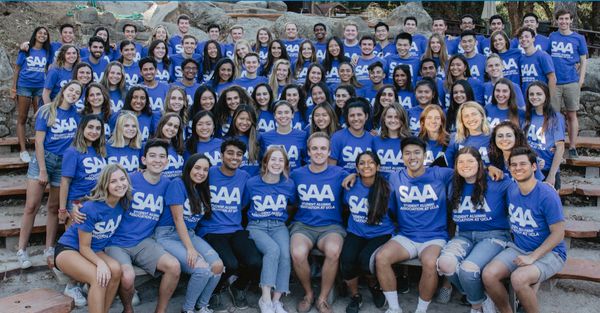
(63, 210)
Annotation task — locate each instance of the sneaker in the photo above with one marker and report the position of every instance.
(403, 284)
(488, 305)
(23, 259)
(378, 297)
(476, 310)
(390, 310)
(25, 157)
(238, 297)
(188, 311)
(204, 310)
(135, 300)
(216, 303)
(573, 153)
(355, 304)
(420, 311)
(49, 256)
(278, 307)
(265, 306)
(75, 293)
(444, 295)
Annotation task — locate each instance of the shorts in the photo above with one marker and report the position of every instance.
(316, 233)
(60, 248)
(548, 265)
(30, 91)
(144, 255)
(567, 95)
(53, 168)
(416, 248)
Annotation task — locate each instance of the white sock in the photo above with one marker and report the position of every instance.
(392, 299)
(422, 305)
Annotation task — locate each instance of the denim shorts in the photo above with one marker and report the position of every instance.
(414, 248)
(548, 265)
(30, 91)
(53, 168)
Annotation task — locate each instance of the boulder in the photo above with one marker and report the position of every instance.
(592, 75)
(6, 69)
(88, 16)
(120, 23)
(7, 105)
(206, 13)
(397, 16)
(277, 5)
(158, 13)
(305, 24)
(251, 4)
(126, 7)
(198, 33)
(107, 18)
(363, 27)
(251, 26)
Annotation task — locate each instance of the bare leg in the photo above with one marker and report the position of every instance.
(115, 278)
(429, 277)
(35, 191)
(23, 104)
(300, 247)
(391, 252)
(81, 269)
(171, 269)
(331, 245)
(492, 276)
(52, 218)
(525, 281)
(573, 128)
(127, 287)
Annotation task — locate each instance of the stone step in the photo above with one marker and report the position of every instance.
(15, 185)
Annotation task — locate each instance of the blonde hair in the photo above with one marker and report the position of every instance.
(48, 111)
(100, 191)
(60, 58)
(443, 54)
(273, 77)
(117, 139)
(236, 60)
(184, 111)
(267, 156)
(153, 36)
(404, 130)
(461, 131)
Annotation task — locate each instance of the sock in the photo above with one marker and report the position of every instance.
(392, 299)
(422, 305)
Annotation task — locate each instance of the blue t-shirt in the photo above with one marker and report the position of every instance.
(157, 95)
(133, 76)
(100, 219)
(292, 46)
(512, 65)
(496, 115)
(294, 143)
(477, 66)
(177, 195)
(351, 51)
(389, 49)
(141, 218)
(492, 214)
(389, 153)
(531, 216)
(116, 101)
(33, 68)
(418, 46)
(321, 50)
(249, 83)
(345, 147)
(478, 92)
(301, 74)
(269, 201)
(420, 203)
(163, 73)
(138, 52)
(56, 78)
(266, 121)
(226, 202)
(97, 68)
(434, 150)
(333, 77)
(361, 70)
(357, 200)
(394, 60)
(566, 52)
(414, 114)
(544, 143)
(319, 195)
(146, 122)
(177, 61)
(227, 50)
(541, 42)
(407, 99)
(535, 67)
(190, 91)
(211, 149)
(251, 167)
(60, 135)
(479, 143)
(127, 157)
(83, 169)
(488, 88)
(175, 166)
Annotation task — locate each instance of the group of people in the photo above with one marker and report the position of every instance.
(231, 162)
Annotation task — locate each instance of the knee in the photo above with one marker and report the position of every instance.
(490, 275)
(446, 265)
(299, 255)
(217, 267)
(518, 280)
(382, 259)
(171, 266)
(127, 277)
(469, 271)
(273, 252)
(115, 270)
(332, 251)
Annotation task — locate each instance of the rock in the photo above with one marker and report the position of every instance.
(107, 18)
(7, 104)
(363, 27)
(120, 23)
(157, 14)
(6, 69)
(277, 5)
(206, 13)
(126, 7)
(305, 24)
(4, 131)
(398, 15)
(589, 98)
(251, 26)
(199, 34)
(251, 4)
(592, 75)
(88, 16)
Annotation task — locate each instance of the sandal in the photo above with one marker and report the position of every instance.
(323, 307)
(305, 304)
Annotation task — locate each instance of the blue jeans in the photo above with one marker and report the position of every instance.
(273, 240)
(202, 281)
(477, 248)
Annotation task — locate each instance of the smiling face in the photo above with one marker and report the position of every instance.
(350, 32)
(205, 128)
(243, 122)
(276, 163)
(306, 51)
(138, 100)
(276, 49)
(92, 131)
(67, 35)
(536, 96)
(128, 52)
(526, 40)
(468, 44)
(376, 75)
(190, 71)
(282, 72)
(458, 68)
(161, 33)
(341, 96)
(115, 75)
(321, 118)
(148, 72)
(176, 101)
(367, 46)
(499, 43)
(318, 95)
(320, 32)
(292, 96)
(251, 63)
(171, 128)
(96, 49)
(189, 45)
(263, 37)
(494, 67)
(467, 166)
(283, 115)
(130, 32)
(84, 75)
(160, 51)
(423, 95)
(155, 160)
(502, 93)
(95, 97)
(71, 56)
(241, 51)
(435, 45)
(428, 69)
(413, 157)
(232, 157)
(433, 121)
(207, 100)
(333, 48)
(472, 119)
(505, 138)
(356, 119)
(41, 36)
(318, 151)
(130, 129)
(199, 172)
(400, 78)
(232, 100)
(521, 169)
(315, 75)
(118, 184)
(388, 96)
(225, 72)
(459, 94)
(72, 93)
(211, 50)
(366, 166)
(345, 71)
(381, 33)
(262, 97)
(391, 119)
(403, 47)
(291, 31)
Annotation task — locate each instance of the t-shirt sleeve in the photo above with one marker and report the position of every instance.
(51, 79)
(21, 58)
(583, 48)
(69, 163)
(91, 217)
(335, 147)
(547, 64)
(552, 208)
(175, 194)
(559, 128)
(41, 124)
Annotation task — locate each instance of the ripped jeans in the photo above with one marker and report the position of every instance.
(463, 258)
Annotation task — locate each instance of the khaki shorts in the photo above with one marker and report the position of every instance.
(144, 255)
(567, 95)
(316, 233)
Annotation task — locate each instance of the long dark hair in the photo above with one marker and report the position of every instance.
(107, 41)
(495, 154)
(377, 107)
(513, 111)
(406, 70)
(192, 143)
(214, 80)
(351, 91)
(453, 107)
(379, 192)
(166, 61)
(209, 64)
(198, 194)
(328, 62)
(127, 106)
(196, 107)
(271, 59)
(271, 97)
(325, 89)
(549, 113)
(122, 46)
(307, 83)
(253, 147)
(221, 108)
(87, 107)
(177, 141)
(45, 45)
(458, 183)
(301, 98)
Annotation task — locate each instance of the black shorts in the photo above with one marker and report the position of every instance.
(60, 248)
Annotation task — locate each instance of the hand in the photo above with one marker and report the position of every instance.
(102, 273)
(192, 256)
(13, 93)
(63, 214)
(349, 181)
(354, 60)
(495, 173)
(43, 178)
(76, 215)
(550, 181)
(24, 46)
(524, 260)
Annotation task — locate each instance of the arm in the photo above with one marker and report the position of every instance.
(46, 96)
(552, 83)
(556, 160)
(39, 155)
(65, 183)
(495, 173)
(102, 270)
(192, 254)
(13, 89)
(557, 234)
(582, 69)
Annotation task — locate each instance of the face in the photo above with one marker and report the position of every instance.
(276, 50)
(212, 51)
(129, 32)
(92, 131)
(84, 75)
(530, 22)
(115, 75)
(161, 33)
(457, 68)
(232, 99)
(155, 160)
(189, 45)
(283, 115)
(496, 24)
(499, 43)
(176, 101)
(468, 43)
(170, 128)
(292, 96)
(160, 51)
(71, 56)
(502, 93)
(138, 100)
(345, 72)
(291, 31)
(410, 26)
(207, 101)
(381, 33)
(102, 34)
(190, 71)
(129, 128)
(435, 45)
(403, 47)
(467, 24)
(321, 118)
(350, 32)
(214, 33)
(458, 94)
(318, 95)
(243, 122)
(282, 72)
(536, 96)
(183, 25)
(494, 67)
(433, 121)
(251, 63)
(366, 47)
(333, 48)
(95, 97)
(262, 96)
(148, 72)
(376, 75)
(118, 184)
(41, 36)
(72, 93)
(400, 78)
(315, 75)
(366, 166)
(505, 138)
(526, 40)
(237, 34)
(439, 26)
(67, 35)
(276, 163)
(263, 36)
(232, 157)
(128, 52)
(564, 22)
(520, 168)
(205, 128)
(356, 119)
(241, 51)
(467, 166)
(413, 156)
(423, 94)
(318, 151)
(320, 32)
(341, 96)
(96, 49)
(387, 97)
(472, 119)
(306, 51)
(391, 119)
(428, 69)
(225, 72)
(199, 171)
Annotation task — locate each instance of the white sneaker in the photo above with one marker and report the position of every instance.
(488, 305)
(135, 300)
(278, 307)
(265, 306)
(25, 157)
(23, 258)
(390, 310)
(205, 310)
(75, 293)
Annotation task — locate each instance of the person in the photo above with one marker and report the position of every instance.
(130, 65)
(223, 75)
(436, 50)
(459, 70)
(425, 93)
(160, 33)
(394, 128)
(229, 100)
(478, 209)
(188, 199)
(403, 45)
(261, 44)
(366, 58)
(251, 78)
(460, 93)
(349, 142)
(428, 70)
(419, 42)
(385, 97)
(475, 60)
(320, 31)
(292, 139)
(138, 247)
(114, 81)
(79, 252)
(342, 94)
(109, 47)
(189, 81)
(545, 131)
(316, 73)
(276, 52)
(125, 144)
(568, 50)
(270, 194)
(494, 68)
(351, 44)
(467, 23)
(55, 128)
(82, 72)
(95, 57)
(333, 58)
(495, 24)
(538, 228)
(130, 32)
(376, 83)
(419, 198)
(433, 132)
(169, 129)
(189, 43)
(318, 93)
(157, 90)
(243, 127)
(204, 100)
(203, 140)
(503, 106)
(280, 77)
(183, 27)
(137, 102)
(511, 57)
(159, 51)
(60, 72)
(323, 119)
(369, 227)
(296, 97)
(263, 100)
(28, 82)
(383, 48)
(317, 221)
(540, 41)
(535, 64)
(224, 231)
(306, 57)
(236, 32)
(472, 130)
(176, 101)
(403, 83)
(211, 56)
(292, 41)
